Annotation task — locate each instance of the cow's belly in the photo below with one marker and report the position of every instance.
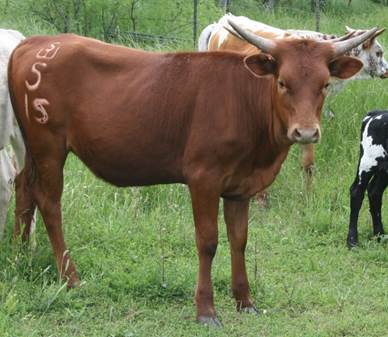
(125, 163)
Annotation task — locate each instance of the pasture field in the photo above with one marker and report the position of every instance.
(135, 252)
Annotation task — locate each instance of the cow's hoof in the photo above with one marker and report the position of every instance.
(352, 242)
(250, 310)
(309, 172)
(209, 321)
(263, 199)
(381, 237)
(73, 282)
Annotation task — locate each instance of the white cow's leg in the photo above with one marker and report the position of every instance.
(7, 176)
(18, 147)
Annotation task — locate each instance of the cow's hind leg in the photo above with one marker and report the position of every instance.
(236, 219)
(47, 191)
(308, 163)
(375, 194)
(25, 205)
(357, 191)
(205, 202)
(6, 177)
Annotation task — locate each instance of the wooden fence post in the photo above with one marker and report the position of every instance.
(195, 23)
(317, 15)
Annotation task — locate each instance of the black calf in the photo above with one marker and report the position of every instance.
(372, 164)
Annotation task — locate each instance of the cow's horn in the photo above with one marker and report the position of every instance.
(342, 38)
(341, 47)
(265, 45)
(234, 33)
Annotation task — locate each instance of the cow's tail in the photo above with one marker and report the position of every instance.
(204, 37)
(31, 174)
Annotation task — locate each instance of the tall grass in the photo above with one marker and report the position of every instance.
(135, 251)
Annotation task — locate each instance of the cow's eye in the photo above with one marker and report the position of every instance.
(281, 84)
(379, 54)
(325, 88)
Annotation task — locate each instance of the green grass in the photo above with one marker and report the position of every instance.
(134, 248)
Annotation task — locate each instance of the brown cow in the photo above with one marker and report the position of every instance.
(220, 122)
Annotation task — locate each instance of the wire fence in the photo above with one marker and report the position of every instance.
(185, 27)
(172, 22)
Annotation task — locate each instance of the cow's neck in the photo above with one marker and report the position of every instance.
(271, 136)
(278, 122)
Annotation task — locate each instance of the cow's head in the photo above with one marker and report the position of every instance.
(371, 53)
(301, 71)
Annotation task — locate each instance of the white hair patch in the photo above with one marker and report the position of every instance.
(371, 152)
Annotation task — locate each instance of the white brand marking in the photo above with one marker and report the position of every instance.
(40, 103)
(36, 71)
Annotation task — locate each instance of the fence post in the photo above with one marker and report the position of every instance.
(225, 4)
(195, 23)
(317, 15)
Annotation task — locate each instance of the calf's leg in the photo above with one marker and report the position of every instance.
(357, 191)
(205, 210)
(236, 219)
(375, 194)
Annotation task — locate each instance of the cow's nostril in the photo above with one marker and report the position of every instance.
(316, 134)
(297, 133)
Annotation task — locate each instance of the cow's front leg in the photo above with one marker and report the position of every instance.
(236, 219)
(375, 194)
(205, 202)
(357, 191)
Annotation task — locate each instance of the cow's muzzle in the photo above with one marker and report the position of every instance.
(385, 75)
(304, 135)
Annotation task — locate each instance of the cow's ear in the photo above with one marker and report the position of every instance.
(344, 67)
(261, 64)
